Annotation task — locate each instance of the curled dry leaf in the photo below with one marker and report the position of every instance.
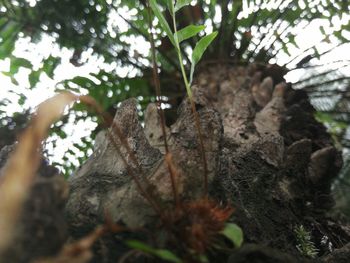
(19, 171)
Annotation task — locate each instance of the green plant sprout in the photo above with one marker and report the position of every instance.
(230, 231)
(304, 244)
(176, 38)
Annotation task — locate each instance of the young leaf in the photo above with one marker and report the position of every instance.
(189, 32)
(163, 23)
(198, 51)
(161, 253)
(233, 233)
(181, 3)
(171, 7)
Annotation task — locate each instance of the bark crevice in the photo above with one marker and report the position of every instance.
(267, 156)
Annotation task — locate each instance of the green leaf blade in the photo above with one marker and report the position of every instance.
(234, 233)
(199, 50)
(163, 23)
(181, 3)
(161, 253)
(188, 32)
(168, 4)
(167, 255)
(201, 46)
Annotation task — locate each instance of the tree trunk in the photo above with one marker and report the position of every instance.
(266, 156)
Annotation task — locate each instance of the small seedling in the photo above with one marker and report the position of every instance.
(176, 37)
(192, 228)
(304, 243)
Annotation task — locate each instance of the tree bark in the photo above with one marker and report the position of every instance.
(266, 155)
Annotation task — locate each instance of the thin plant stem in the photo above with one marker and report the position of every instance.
(160, 111)
(193, 106)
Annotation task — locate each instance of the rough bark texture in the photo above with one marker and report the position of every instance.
(266, 154)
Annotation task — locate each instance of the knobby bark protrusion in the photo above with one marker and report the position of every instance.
(267, 156)
(266, 153)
